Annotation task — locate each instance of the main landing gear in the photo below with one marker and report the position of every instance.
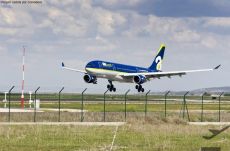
(139, 88)
(111, 87)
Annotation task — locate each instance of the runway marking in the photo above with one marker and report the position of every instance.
(114, 137)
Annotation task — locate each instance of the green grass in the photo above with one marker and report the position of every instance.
(95, 111)
(152, 134)
(54, 137)
(131, 107)
(99, 97)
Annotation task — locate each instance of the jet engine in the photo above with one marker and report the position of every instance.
(139, 79)
(90, 79)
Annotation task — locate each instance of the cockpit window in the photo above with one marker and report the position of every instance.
(88, 65)
(91, 65)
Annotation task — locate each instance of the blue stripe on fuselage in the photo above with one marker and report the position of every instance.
(116, 67)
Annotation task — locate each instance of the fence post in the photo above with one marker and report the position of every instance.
(35, 101)
(126, 101)
(202, 106)
(185, 106)
(82, 105)
(166, 94)
(219, 104)
(9, 101)
(59, 104)
(146, 99)
(104, 104)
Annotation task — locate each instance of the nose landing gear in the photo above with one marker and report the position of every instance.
(111, 87)
(139, 88)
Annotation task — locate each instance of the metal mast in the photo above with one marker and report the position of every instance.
(23, 78)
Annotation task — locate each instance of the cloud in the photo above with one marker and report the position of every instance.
(82, 30)
(3, 51)
(209, 42)
(219, 22)
(186, 36)
(64, 23)
(184, 8)
(15, 22)
(101, 45)
(8, 31)
(14, 17)
(61, 3)
(165, 25)
(107, 21)
(171, 29)
(120, 2)
(77, 22)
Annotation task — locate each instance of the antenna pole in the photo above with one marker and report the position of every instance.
(23, 78)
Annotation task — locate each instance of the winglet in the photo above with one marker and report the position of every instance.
(62, 64)
(217, 67)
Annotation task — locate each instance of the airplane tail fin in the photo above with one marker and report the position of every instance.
(157, 63)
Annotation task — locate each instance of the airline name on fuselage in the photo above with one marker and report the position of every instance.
(107, 64)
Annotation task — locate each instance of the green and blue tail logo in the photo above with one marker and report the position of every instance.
(157, 63)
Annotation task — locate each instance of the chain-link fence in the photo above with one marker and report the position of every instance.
(87, 107)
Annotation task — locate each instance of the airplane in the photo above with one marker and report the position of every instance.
(127, 73)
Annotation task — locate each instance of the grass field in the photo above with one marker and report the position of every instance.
(109, 97)
(131, 106)
(95, 111)
(151, 134)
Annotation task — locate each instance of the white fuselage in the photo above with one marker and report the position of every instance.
(108, 74)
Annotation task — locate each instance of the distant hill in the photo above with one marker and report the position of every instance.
(212, 90)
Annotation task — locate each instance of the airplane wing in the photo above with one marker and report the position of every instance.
(76, 70)
(166, 74)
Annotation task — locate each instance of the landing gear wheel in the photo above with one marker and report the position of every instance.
(114, 89)
(111, 87)
(142, 90)
(139, 88)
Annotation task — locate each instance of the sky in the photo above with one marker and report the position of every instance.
(196, 34)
